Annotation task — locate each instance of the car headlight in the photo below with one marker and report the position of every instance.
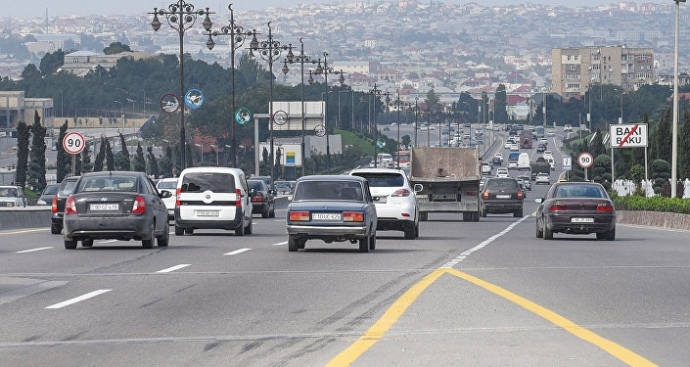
(41, 202)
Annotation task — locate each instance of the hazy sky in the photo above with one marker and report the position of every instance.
(37, 8)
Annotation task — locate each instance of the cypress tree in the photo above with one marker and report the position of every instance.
(37, 166)
(23, 137)
(139, 160)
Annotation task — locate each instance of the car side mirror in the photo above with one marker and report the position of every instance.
(165, 194)
(289, 198)
(418, 188)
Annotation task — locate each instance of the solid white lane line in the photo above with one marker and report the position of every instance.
(33, 250)
(236, 252)
(173, 268)
(280, 244)
(79, 299)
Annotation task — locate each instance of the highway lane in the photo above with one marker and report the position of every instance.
(246, 301)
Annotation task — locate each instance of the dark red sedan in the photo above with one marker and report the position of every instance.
(576, 208)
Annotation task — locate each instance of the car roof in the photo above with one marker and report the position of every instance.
(113, 173)
(331, 178)
(378, 170)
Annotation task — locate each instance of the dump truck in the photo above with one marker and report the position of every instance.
(526, 140)
(446, 180)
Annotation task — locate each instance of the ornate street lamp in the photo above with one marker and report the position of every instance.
(376, 92)
(325, 70)
(181, 16)
(269, 50)
(301, 59)
(237, 37)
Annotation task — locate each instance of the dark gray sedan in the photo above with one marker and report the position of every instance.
(332, 208)
(576, 208)
(115, 205)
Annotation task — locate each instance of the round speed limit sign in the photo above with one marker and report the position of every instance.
(73, 143)
(585, 160)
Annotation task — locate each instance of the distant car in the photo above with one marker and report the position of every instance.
(507, 144)
(576, 208)
(500, 196)
(502, 172)
(526, 181)
(550, 133)
(512, 165)
(497, 160)
(12, 196)
(266, 179)
(57, 208)
(567, 128)
(118, 205)
(47, 195)
(394, 198)
(514, 147)
(486, 169)
(283, 187)
(541, 148)
(542, 178)
(168, 184)
(332, 208)
(386, 128)
(263, 199)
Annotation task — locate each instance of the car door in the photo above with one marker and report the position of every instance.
(157, 204)
(246, 198)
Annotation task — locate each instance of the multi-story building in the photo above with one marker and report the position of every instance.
(575, 69)
(14, 107)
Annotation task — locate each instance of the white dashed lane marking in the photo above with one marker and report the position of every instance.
(237, 252)
(79, 299)
(173, 268)
(33, 250)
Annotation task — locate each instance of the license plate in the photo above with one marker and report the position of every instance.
(502, 196)
(582, 220)
(104, 207)
(325, 216)
(380, 199)
(207, 213)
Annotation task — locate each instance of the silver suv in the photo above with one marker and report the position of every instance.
(12, 196)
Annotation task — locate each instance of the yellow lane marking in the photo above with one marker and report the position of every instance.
(389, 318)
(23, 231)
(612, 348)
(393, 314)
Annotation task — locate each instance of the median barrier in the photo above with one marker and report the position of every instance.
(29, 217)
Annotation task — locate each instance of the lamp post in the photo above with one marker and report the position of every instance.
(416, 119)
(301, 58)
(269, 50)
(181, 16)
(376, 92)
(123, 120)
(202, 150)
(237, 36)
(215, 147)
(674, 144)
(325, 70)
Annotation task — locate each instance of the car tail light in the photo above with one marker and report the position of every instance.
(470, 193)
(299, 216)
(139, 206)
(401, 193)
(353, 217)
(258, 198)
(605, 208)
(70, 206)
(53, 207)
(520, 194)
(177, 197)
(485, 194)
(238, 199)
(556, 207)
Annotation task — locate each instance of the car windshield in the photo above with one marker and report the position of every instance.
(328, 190)
(51, 190)
(170, 185)
(382, 179)
(108, 183)
(502, 184)
(208, 181)
(579, 191)
(257, 185)
(8, 192)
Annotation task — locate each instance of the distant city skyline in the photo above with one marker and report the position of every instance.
(37, 8)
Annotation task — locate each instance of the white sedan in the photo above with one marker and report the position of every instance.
(542, 178)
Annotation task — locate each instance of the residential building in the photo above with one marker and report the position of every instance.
(14, 107)
(575, 69)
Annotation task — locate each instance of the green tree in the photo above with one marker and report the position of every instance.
(116, 48)
(23, 137)
(64, 160)
(664, 138)
(166, 164)
(86, 165)
(36, 171)
(122, 161)
(500, 104)
(109, 157)
(100, 157)
(51, 62)
(597, 144)
(684, 146)
(139, 159)
(153, 169)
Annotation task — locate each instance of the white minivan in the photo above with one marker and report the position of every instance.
(523, 161)
(213, 198)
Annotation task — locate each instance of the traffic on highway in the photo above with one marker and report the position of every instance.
(447, 291)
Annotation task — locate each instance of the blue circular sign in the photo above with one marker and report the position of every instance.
(243, 115)
(194, 99)
(381, 143)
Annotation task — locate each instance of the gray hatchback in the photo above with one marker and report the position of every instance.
(501, 195)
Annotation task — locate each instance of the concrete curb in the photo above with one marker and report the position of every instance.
(29, 217)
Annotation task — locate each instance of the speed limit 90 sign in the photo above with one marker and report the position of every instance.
(585, 160)
(73, 143)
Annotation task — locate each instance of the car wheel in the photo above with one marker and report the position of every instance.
(70, 244)
(482, 212)
(416, 230)
(292, 243)
(163, 240)
(423, 216)
(611, 235)
(273, 211)
(539, 232)
(518, 214)
(548, 234)
(364, 244)
(148, 243)
(189, 231)
(265, 213)
(250, 228)
(301, 243)
(239, 231)
(55, 228)
(87, 243)
(410, 233)
(179, 231)
(372, 241)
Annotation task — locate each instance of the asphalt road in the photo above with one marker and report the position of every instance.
(463, 294)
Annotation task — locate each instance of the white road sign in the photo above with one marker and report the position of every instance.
(585, 160)
(567, 163)
(628, 136)
(73, 143)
